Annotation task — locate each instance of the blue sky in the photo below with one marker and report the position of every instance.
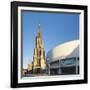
(56, 28)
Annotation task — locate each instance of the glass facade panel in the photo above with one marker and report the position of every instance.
(66, 66)
(68, 61)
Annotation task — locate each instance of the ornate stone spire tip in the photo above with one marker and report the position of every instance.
(39, 30)
(39, 24)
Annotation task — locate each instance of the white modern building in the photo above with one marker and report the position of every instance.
(64, 59)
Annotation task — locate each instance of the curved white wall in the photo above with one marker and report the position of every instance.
(68, 49)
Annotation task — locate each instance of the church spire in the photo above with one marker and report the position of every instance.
(39, 30)
(39, 64)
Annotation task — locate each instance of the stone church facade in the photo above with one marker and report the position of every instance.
(39, 62)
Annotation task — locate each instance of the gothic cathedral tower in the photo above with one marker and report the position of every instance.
(39, 64)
